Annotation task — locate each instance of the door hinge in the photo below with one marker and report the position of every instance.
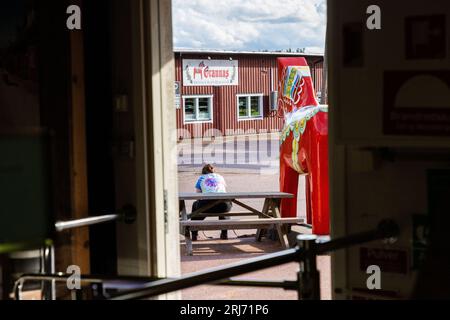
(166, 213)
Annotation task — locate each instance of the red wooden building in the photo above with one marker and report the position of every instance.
(230, 93)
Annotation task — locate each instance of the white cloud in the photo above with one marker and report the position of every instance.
(249, 25)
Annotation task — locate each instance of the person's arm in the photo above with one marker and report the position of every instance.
(198, 187)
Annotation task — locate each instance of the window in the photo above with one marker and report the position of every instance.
(250, 106)
(197, 109)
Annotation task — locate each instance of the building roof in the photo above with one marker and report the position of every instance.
(225, 52)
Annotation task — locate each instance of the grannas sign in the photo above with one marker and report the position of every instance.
(210, 72)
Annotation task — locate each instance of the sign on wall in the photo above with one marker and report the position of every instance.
(389, 260)
(177, 94)
(417, 102)
(210, 72)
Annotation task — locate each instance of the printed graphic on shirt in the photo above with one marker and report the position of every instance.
(212, 182)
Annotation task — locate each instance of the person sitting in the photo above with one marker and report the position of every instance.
(210, 182)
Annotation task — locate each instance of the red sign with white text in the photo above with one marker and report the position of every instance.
(210, 72)
(389, 260)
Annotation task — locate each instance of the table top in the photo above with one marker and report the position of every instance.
(234, 195)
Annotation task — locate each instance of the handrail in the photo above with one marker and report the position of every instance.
(127, 214)
(72, 224)
(62, 277)
(222, 275)
(210, 275)
(286, 285)
(91, 279)
(386, 229)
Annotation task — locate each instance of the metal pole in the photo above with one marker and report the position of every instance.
(127, 214)
(52, 270)
(386, 229)
(62, 277)
(77, 295)
(210, 275)
(48, 287)
(96, 282)
(308, 276)
(64, 225)
(286, 285)
(98, 291)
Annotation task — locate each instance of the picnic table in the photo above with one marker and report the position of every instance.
(268, 216)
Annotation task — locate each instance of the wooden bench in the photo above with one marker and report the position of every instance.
(267, 217)
(238, 224)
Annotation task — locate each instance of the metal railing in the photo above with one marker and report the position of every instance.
(97, 282)
(305, 253)
(126, 214)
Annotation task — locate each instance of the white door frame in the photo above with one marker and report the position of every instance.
(337, 165)
(155, 129)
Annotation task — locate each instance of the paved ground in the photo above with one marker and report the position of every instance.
(210, 251)
(255, 153)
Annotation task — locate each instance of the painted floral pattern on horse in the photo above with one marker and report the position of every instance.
(295, 124)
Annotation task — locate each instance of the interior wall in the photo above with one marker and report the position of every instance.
(41, 90)
(359, 78)
(376, 172)
(395, 187)
(19, 74)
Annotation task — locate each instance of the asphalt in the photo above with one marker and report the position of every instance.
(258, 154)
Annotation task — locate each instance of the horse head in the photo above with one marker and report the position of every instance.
(295, 86)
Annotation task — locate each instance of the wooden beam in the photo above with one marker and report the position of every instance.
(264, 212)
(243, 205)
(228, 214)
(241, 222)
(80, 236)
(234, 195)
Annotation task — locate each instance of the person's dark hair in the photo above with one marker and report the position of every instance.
(208, 169)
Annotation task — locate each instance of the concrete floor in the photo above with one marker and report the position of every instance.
(210, 251)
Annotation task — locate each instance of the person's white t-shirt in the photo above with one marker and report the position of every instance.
(211, 182)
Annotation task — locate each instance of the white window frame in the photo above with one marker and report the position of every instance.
(197, 97)
(248, 96)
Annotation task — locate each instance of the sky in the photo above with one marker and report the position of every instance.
(249, 25)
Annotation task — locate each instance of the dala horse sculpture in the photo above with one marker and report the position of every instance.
(304, 143)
